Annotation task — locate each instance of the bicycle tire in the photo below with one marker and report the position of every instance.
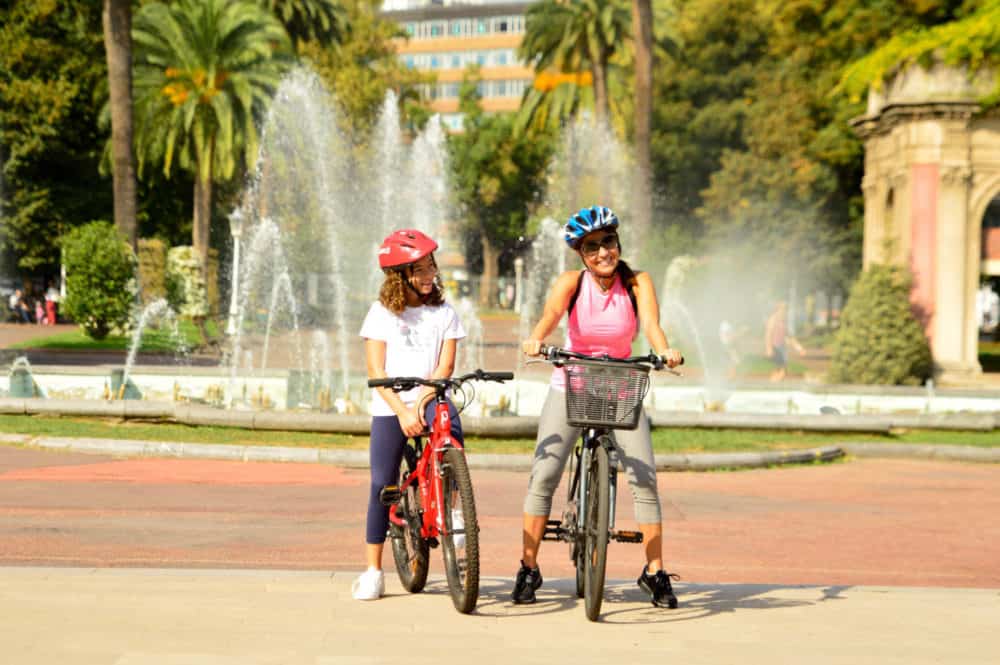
(410, 550)
(461, 564)
(597, 534)
(576, 548)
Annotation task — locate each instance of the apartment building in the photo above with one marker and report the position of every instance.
(446, 36)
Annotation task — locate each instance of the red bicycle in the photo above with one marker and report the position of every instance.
(433, 502)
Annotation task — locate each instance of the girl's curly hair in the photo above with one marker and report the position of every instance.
(392, 295)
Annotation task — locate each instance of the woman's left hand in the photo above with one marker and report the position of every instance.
(672, 358)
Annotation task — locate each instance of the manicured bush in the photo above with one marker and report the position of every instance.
(880, 340)
(100, 278)
(186, 290)
(152, 269)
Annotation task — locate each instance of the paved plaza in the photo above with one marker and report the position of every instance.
(155, 561)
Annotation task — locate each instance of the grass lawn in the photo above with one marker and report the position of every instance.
(664, 440)
(153, 341)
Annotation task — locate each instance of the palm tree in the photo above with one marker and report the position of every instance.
(117, 21)
(324, 21)
(204, 71)
(572, 36)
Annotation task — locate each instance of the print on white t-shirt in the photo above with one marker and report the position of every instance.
(413, 341)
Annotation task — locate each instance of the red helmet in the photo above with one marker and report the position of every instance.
(403, 247)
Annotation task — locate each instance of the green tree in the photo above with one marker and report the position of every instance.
(880, 340)
(364, 67)
(577, 35)
(322, 21)
(52, 83)
(497, 175)
(972, 40)
(100, 278)
(204, 71)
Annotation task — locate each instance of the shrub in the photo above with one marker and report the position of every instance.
(880, 340)
(100, 278)
(186, 283)
(152, 269)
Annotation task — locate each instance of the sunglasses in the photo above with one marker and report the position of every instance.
(608, 242)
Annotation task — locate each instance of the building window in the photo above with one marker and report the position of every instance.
(456, 27)
(435, 62)
(501, 58)
(409, 61)
(481, 26)
(502, 25)
(410, 29)
(437, 29)
(456, 61)
(501, 88)
(481, 59)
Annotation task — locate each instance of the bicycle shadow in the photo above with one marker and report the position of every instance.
(625, 603)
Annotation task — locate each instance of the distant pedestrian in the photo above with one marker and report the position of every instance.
(776, 339)
(18, 307)
(51, 298)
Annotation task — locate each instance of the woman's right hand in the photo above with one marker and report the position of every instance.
(410, 423)
(531, 347)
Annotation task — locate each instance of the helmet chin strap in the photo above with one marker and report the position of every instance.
(406, 280)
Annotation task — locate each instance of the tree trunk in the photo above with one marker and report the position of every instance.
(202, 219)
(600, 73)
(117, 20)
(487, 285)
(642, 29)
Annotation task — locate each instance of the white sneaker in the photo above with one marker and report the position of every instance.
(370, 585)
(458, 524)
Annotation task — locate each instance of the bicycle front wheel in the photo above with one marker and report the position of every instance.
(597, 532)
(460, 537)
(409, 550)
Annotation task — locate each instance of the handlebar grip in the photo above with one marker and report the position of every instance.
(501, 376)
(381, 383)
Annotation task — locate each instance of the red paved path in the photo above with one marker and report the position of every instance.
(914, 523)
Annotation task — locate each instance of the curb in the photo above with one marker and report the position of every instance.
(503, 462)
(359, 458)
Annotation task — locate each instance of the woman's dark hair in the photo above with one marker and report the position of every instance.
(392, 295)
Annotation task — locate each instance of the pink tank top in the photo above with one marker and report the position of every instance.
(599, 323)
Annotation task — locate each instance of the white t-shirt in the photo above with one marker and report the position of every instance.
(413, 343)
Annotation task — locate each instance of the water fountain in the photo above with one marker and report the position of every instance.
(315, 212)
(21, 382)
(157, 312)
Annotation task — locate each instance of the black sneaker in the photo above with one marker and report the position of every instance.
(527, 581)
(659, 588)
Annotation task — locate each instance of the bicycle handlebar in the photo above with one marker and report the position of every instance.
(400, 383)
(557, 356)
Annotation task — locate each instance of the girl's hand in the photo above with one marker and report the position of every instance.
(672, 358)
(410, 423)
(531, 347)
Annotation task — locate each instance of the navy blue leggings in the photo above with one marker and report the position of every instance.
(384, 456)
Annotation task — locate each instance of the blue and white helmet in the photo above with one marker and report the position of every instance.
(587, 221)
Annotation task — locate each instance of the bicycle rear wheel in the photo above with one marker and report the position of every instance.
(596, 538)
(409, 550)
(460, 537)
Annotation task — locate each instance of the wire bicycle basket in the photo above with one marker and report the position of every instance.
(603, 394)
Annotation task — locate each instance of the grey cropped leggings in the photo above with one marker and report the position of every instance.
(554, 444)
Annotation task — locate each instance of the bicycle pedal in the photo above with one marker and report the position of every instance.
(627, 536)
(554, 531)
(390, 495)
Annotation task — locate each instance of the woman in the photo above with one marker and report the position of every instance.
(606, 303)
(409, 331)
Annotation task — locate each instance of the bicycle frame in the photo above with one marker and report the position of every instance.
(428, 474)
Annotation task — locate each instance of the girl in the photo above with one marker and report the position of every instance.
(409, 331)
